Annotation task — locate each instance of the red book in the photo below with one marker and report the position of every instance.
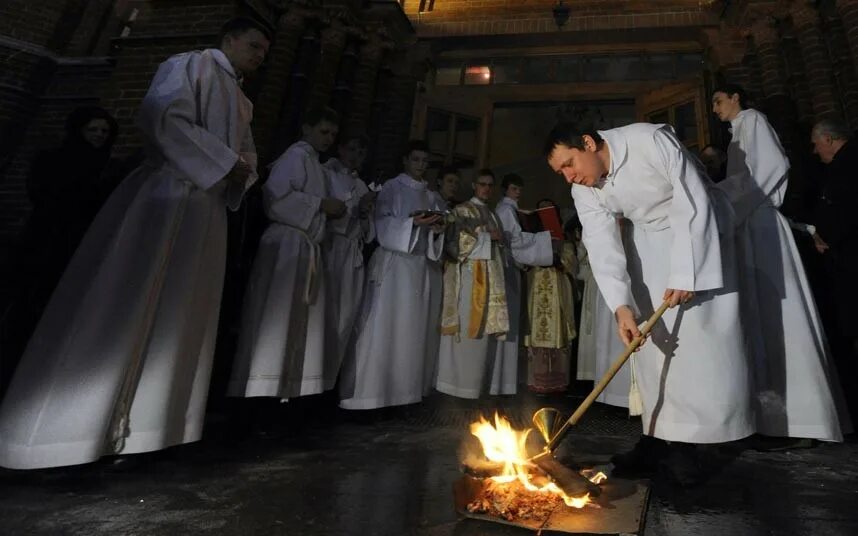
(542, 219)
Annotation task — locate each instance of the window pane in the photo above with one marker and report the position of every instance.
(477, 75)
(659, 117)
(536, 70)
(596, 68)
(569, 69)
(506, 71)
(448, 76)
(659, 66)
(688, 64)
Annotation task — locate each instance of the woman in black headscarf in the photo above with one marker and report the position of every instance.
(67, 186)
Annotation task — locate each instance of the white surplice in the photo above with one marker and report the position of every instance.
(121, 359)
(281, 348)
(391, 357)
(465, 363)
(342, 252)
(796, 384)
(598, 343)
(693, 373)
(521, 250)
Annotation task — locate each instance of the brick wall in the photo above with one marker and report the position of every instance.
(31, 21)
(478, 17)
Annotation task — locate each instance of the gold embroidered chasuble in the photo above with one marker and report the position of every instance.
(488, 313)
(550, 303)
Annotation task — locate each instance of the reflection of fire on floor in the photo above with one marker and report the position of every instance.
(505, 484)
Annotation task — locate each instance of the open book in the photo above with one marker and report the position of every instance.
(542, 219)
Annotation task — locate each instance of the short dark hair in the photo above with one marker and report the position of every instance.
(511, 178)
(360, 137)
(415, 145)
(317, 114)
(733, 89)
(568, 134)
(239, 25)
(485, 172)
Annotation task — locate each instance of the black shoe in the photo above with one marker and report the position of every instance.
(642, 460)
(681, 465)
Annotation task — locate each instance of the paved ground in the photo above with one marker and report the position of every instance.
(329, 472)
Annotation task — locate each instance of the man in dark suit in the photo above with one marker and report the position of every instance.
(836, 238)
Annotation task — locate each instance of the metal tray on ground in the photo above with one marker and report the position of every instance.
(622, 509)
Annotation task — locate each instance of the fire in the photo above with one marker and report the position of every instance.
(504, 445)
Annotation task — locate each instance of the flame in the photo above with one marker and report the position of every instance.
(502, 444)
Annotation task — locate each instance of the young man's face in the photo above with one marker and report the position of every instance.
(823, 146)
(578, 166)
(483, 187)
(726, 107)
(96, 132)
(513, 191)
(246, 51)
(321, 135)
(449, 186)
(415, 164)
(352, 154)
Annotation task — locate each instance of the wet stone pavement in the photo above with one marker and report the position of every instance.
(324, 471)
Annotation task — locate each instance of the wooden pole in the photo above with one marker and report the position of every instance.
(608, 376)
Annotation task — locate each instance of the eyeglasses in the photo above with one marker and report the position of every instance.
(489, 184)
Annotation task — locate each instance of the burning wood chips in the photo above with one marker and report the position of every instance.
(512, 501)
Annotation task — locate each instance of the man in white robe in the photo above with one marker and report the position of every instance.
(121, 360)
(522, 249)
(342, 250)
(796, 383)
(391, 358)
(693, 373)
(281, 348)
(474, 305)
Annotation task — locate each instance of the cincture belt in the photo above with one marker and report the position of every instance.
(313, 267)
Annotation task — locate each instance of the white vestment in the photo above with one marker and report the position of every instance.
(342, 252)
(465, 363)
(391, 357)
(598, 343)
(281, 348)
(693, 372)
(796, 383)
(121, 359)
(521, 249)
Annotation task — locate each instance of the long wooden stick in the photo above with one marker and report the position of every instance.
(608, 376)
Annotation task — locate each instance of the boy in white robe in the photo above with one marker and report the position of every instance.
(391, 358)
(796, 384)
(474, 305)
(281, 348)
(693, 373)
(342, 250)
(521, 250)
(121, 360)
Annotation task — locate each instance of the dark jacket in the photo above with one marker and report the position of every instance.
(837, 224)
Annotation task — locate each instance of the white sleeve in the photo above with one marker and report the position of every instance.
(284, 195)
(529, 249)
(394, 231)
(168, 119)
(601, 237)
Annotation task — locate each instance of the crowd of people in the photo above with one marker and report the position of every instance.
(120, 361)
